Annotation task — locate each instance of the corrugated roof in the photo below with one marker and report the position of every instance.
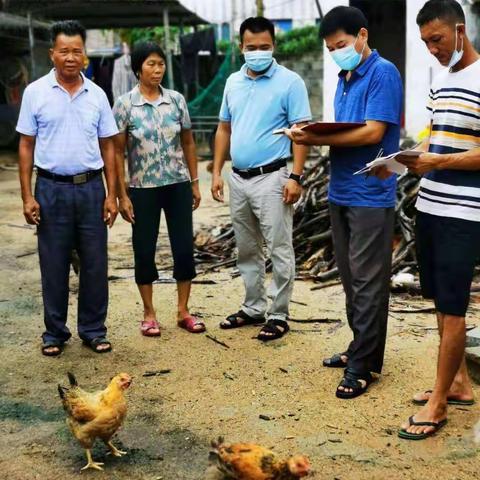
(105, 13)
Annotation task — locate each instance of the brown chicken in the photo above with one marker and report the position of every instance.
(247, 461)
(95, 415)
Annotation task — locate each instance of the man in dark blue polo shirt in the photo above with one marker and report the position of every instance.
(362, 209)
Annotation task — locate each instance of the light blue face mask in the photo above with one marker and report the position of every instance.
(347, 58)
(258, 60)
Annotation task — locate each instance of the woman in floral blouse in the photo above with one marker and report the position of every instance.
(155, 129)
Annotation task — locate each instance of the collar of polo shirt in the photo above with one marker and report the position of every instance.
(52, 78)
(138, 99)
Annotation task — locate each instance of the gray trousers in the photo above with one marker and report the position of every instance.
(259, 214)
(363, 239)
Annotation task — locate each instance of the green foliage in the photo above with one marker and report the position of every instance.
(157, 34)
(298, 41)
(223, 46)
(295, 42)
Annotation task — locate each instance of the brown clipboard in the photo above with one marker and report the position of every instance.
(321, 128)
(331, 127)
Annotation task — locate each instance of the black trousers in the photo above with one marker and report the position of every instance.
(447, 252)
(362, 239)
(176, 201)
(72, 217)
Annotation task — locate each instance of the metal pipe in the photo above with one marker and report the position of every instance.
(31, 39)
(168, 51)
(319, 8)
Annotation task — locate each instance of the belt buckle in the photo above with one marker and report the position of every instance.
(79, 179)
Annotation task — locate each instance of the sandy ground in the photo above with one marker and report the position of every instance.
(211, 390)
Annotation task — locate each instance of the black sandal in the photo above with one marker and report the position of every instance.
(233, 320)
(335, 361)
(52, 344)
(272, 330)
(94, 343)
(353, 381)
(402, 433)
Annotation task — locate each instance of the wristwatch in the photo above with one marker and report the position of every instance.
(298, 178)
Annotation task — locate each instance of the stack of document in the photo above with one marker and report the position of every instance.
(389, 161)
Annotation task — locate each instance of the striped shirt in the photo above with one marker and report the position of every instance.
(454, 103)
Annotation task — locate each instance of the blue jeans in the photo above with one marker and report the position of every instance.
(71, 216)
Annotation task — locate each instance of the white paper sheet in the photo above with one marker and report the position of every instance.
(389, 161)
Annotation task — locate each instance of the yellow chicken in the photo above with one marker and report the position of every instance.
(247, 461)
(95, 415)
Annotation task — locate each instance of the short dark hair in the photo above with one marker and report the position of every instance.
(348, 19)
(448, 10)
(141, 51)
(257, 25)
(70, 28)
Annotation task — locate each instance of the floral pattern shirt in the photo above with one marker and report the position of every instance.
(155, 154)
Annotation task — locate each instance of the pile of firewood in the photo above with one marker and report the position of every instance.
(312, 233)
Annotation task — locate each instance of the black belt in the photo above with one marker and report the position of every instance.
(76, 179)
(253, 172)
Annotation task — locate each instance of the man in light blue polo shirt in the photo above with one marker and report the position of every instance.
(263, 96)
(361, 208)
(66, 128)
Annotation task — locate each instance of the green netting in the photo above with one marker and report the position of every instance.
(207, 102)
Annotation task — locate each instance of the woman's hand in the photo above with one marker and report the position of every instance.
(197, 197)
(126, 209)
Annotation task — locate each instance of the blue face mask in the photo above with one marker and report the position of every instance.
(258, 60)
(347, 58)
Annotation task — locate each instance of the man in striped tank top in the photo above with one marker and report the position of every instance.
(448, 205)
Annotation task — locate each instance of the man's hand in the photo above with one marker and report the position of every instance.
(197, 197)
(110, 210)
(420, 165)
(381, 172)
(292, 191)
(217, 188)
(31, 211)
(125, 207)
(299, 136)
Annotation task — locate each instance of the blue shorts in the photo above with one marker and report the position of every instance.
(447, 251)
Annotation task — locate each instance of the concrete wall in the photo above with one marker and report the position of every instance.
(310, 68)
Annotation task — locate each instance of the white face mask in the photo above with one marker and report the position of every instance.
(457, 54)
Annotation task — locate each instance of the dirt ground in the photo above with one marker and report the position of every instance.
(211, 390)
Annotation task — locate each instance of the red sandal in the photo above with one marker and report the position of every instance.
(190, 322)
(147, 325)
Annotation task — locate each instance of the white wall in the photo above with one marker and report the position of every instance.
(420, 69)
(330, 68)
